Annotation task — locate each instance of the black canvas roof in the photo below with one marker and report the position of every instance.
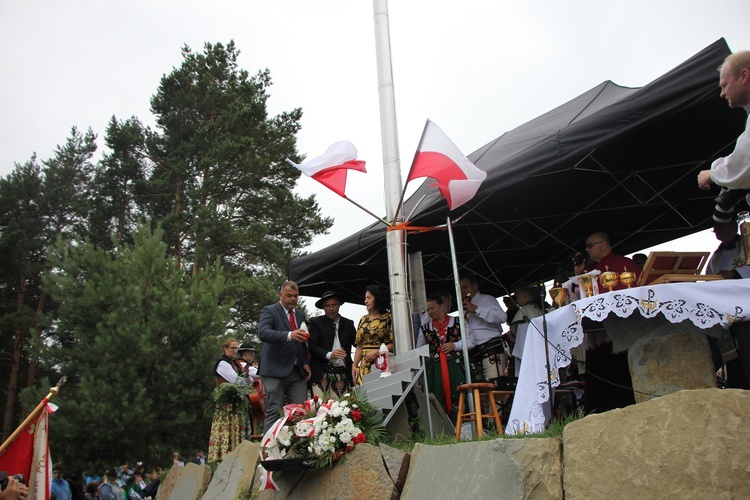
(615, 159)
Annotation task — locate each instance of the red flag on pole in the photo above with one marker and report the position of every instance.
(28, 454)
(41, 470)
(330, 169)
(438, 158)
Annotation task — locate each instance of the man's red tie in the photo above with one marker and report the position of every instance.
(292, 321)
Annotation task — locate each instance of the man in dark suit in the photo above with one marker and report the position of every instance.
(283, 361)
(331, 339)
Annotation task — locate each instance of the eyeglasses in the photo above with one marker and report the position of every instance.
(232, 348)
(589, 246)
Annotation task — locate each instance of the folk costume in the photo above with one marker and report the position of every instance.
(371, 333)
(445, 371)
(331, 378)
(486, 325)
(230, 425)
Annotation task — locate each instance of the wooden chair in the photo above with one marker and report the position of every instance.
(478, 389)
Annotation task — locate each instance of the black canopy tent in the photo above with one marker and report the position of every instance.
(621, 160)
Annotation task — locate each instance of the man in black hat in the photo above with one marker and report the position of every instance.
(330, 343)
(246, 354)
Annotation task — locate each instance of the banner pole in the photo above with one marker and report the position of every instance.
(52, 392)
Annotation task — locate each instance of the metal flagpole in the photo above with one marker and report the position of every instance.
(461, 319)
(395, 240)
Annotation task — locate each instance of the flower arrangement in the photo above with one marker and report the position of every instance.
(321, 432)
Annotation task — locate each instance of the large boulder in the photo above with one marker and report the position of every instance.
(190, 484)
(397, 464)
(691, 444)
(666, 364)
(166, 486)
(501, 468)
(234, 475)
(359, 474)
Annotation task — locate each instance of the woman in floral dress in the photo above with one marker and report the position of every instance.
(229, 426)
(375, 328)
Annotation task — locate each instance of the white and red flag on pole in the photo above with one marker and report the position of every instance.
(28, 454)
(438, 158)
(330, 169)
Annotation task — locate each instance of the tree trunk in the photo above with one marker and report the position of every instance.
(121, 224)
(10, 401)
(37, 340)
(177, 211)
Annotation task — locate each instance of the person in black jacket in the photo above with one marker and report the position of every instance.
(152, 488)
(330, 343)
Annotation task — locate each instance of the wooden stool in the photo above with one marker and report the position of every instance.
(479, 389)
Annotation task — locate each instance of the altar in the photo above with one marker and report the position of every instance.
(710, 306)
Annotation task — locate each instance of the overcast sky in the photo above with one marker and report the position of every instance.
(476, 68)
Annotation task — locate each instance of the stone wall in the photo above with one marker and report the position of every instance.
(691, 444)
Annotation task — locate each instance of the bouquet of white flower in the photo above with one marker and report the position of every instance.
(319, 433)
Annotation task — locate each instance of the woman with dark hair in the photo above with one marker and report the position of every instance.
(375, 328)
(92, 491)
(229, 425)
(445, 367)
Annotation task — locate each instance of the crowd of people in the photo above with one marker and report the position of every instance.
(116, 483)
(326, 356)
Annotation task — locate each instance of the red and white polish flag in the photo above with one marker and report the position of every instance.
(330, 169)
(29, 456)
(438, 158)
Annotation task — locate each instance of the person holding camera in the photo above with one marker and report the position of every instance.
(13, 488)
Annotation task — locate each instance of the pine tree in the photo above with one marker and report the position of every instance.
(22, 248)
(142, 352)
(216, 176)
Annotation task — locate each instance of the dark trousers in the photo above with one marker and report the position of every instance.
(292, 387)
(608, 383)
(738, 370)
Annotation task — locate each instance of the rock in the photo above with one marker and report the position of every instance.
(359, 474)
(397, 464)
(691, 444)
(234, 475)
(286, 481)
(167, 486)
(502, 468)
(190, 484)
(666, 364)
(541, 468)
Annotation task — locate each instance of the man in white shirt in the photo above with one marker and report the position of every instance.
(485, 318)
(729, 259)
(732, 172)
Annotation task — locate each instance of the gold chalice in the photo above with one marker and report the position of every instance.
(627, 278)
(587, 284)
(609, 278)
(559, 296)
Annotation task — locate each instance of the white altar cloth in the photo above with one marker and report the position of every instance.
(705, 304)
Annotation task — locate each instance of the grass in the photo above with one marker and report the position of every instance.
(555, 429)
